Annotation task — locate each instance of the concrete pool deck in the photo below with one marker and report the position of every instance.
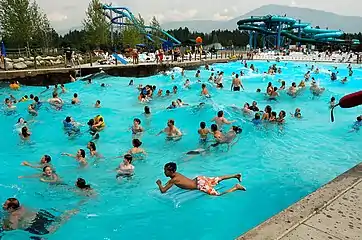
(334, 211)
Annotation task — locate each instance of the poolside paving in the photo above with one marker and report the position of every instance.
(332, 212)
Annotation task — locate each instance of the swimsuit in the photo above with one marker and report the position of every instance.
(42, 220)
(207, 185)
(236, 89)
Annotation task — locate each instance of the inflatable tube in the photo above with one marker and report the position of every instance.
(348, 101)
(177, 196)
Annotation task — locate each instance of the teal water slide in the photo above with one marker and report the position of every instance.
(281, 26)
(122, 13)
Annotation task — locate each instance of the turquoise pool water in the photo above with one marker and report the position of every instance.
(280, 165)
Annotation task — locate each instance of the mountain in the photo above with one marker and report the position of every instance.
(348, 24)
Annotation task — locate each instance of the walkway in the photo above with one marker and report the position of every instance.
(332, 212)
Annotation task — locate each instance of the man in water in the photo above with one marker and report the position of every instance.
(44, 162)
(201, 183)
(220, 120)
(171, 131)
(39, 223)
(236, 84)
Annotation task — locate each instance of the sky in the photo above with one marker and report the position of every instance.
(67, 14)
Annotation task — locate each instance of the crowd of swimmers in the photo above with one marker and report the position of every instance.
(220, 136)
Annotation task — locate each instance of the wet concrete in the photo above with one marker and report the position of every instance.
(332, 212)
(62, 75)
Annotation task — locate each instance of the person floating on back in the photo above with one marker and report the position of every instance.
(204, 184)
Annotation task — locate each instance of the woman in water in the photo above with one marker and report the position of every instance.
(25, 134)
(93, 150)
(269, 89)
(246, 109)
(136, 128)
(137, 152)
(282, 87)
(267, 113)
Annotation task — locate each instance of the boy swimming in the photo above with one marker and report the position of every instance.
(201, 183)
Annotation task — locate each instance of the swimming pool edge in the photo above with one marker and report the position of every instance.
(281, 224)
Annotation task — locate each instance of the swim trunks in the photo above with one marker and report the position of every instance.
(207, 185)
(236, 89)
(42, 220)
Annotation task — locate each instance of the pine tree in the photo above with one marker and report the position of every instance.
(155, 31)
(95, 25)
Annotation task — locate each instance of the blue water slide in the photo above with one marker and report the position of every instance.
(311, 30)
(125, 12)
(300, 25)
(119, 59)
(283, 19)
(328, 35)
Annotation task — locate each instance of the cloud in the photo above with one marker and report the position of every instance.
(57, 17)
(174, 15)
(221, 17)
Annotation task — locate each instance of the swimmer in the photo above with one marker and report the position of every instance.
(125, 169)
(292, 91)
(31, 110)
(180, 103)
(267, 113)
(130, 83)
(136, 151)
(63, 88)
(174, 89)
(281, 117)
(219, 80)
(41, 222)
(203, 132)
(44, 161)
(99, 123)
(357, 124)
(269, 89)
(171, 131)
(159, 93)
(97, 104)
(236, 84)
(282, 87)
(55, 90)
(273, 117)
(25, 134)
(172, 106)
(332, 103)
(187, 84)
(47, 176)
(201, 183)
(197, 75)
(246, 109)
(258, 90)
(220, 120)
(307, 76)
(70, 126)
(315, 89)
(344, 80)
(31, 97)
(211, 78)
(20, 123)
(9, 104)
(91, 146)
(37, 103)
(254, 107)
(147, 111)
(228, 138)
(204, 91)
(297, 113)
(80, 157)
(256, 120)
(75, 99)
(168, 93)
(55, 100)
(136, 128)
(301, 84)
(274, 94)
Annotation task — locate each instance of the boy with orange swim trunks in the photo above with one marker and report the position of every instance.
(204, 184)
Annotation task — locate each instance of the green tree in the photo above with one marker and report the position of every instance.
(131, 35)
(23, 23)
(156, 32)
(95, 25)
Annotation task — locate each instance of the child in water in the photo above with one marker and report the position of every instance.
(125, 169)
